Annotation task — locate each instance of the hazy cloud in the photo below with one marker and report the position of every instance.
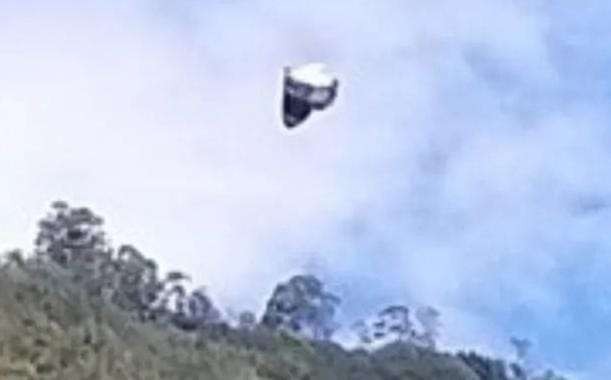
(465, 163)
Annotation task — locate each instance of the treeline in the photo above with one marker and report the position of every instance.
(72, 244)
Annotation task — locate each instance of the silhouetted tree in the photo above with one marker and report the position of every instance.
(70, 235)
(13, 258)
(391, 323)
(517, 372)
(194, 310)
(247, 320)
(521, 369)
(548, 375)
(363, 332)
(429, 322)
(302, 306)
(394, 321)
(485, 368)
(73, 239)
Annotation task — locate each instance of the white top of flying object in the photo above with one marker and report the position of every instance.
(313, 74)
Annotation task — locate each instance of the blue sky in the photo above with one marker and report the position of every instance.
(465, 165)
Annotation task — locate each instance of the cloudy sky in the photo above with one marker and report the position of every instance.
(466, 163)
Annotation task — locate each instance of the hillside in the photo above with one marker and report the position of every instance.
(50, 329)
(78, 309)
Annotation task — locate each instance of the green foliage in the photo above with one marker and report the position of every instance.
(73, 241)
(393, 324)
(50, 330)
(302, 306)
(78, 309)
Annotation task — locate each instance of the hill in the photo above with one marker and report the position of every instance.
(50, 329)
(78, 309)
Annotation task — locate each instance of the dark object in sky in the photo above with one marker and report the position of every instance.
(306, 88)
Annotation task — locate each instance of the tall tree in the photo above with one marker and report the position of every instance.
(394, 321)
(429, 321)
(302, 305)
(71, 235)
(522, 368)
(74, 239)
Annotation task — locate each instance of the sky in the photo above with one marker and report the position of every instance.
(466, 163)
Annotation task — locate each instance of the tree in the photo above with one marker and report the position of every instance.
(429, 322)
(194, 310)
(522, 368)
(485, 368)
(549, 375)
(13, 258)
(74, 240)
(522, 346)
(392, 322)
(67, 234)
(395, 321)
(302, 306)
(518, 372)
(247, 320)
(363, 332)
(134, 280)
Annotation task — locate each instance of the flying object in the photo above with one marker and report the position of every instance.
(306, 88)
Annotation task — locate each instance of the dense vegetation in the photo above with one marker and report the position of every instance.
(78, 308)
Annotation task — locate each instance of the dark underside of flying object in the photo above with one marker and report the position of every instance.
(302, 96)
